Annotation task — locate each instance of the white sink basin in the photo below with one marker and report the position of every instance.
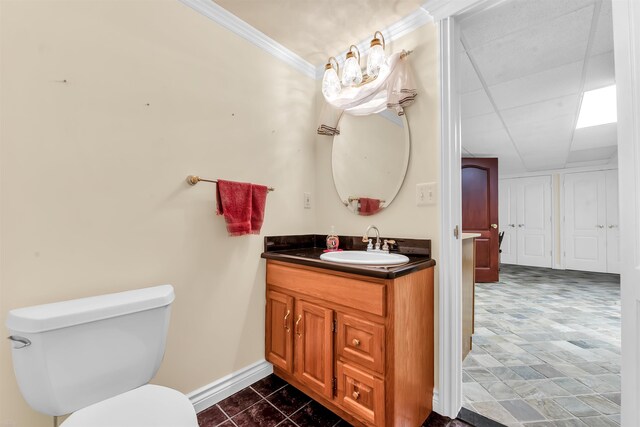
(380, 259)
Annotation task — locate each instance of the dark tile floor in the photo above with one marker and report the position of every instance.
(272, 402)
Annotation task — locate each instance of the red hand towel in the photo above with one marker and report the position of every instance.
(233, 200)
(258, 202)
(369, 206)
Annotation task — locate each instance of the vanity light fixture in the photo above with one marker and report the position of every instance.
(377, 58)
(330, 81)
(351, 73)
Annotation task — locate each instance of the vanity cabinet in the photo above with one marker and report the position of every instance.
(360, 345)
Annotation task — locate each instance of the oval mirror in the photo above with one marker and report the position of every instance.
(369, 160)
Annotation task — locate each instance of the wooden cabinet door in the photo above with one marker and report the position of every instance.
(314, 347)
(279, 333)
(480, 213)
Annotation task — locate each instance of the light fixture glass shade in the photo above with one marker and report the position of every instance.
(351, 73)
(375, 60)
(330, 83)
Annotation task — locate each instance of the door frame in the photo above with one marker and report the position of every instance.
(626, 28)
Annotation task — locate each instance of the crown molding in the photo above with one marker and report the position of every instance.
(236, 25)
(393, 32)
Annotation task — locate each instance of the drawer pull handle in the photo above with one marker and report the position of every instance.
(297, 322)
(356, 395)
(356, 342)
(286, 326)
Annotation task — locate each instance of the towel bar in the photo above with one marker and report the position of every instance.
(194, 179)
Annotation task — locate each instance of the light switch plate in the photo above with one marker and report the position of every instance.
(426, 194)
(307, 200)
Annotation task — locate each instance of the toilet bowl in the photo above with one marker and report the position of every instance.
(93, 358)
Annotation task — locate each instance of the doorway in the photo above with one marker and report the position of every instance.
(627, 12)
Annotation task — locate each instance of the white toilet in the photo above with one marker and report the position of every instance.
(93, 357)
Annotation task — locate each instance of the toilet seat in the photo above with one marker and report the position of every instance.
(146, 406)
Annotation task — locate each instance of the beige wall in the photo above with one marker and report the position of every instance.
(403, 218)
(92, 171)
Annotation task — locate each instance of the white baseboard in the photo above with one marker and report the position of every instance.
(436, 401)
(224, 387)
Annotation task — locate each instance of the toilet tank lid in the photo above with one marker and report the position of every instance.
(47, 317)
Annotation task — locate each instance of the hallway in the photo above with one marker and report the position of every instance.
(546, 349)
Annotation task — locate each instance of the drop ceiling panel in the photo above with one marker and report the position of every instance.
(512, 16)
(600, 71)
(532, 114)
(547, 84)
(491, 142)
(551, 135)
(603, 41)
(543, 161)
(510, 164)
(528, 51)
(602, 153)
(595, 137)
(475, 103)
(483, 123)
(469, 80)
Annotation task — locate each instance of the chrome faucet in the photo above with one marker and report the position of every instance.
(366, 239)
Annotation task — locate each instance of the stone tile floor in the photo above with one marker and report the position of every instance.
(272, 402)
(546, 349)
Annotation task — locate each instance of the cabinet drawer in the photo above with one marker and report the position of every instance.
(359, 294)
(361, 341)
(361, 394)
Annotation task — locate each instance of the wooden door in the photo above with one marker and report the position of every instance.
(508, 209)
(585, 208)
(279, 337)
(314, 347)
(613, 230)
(534, 221)
(480, 213)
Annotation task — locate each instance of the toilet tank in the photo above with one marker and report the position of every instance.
(86, 350)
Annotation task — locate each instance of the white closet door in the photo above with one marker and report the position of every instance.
(507, 212)
(534, 221)
(585, 221)
(613, 231)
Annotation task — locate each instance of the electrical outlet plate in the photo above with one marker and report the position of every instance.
(307, 200)
(426, 194)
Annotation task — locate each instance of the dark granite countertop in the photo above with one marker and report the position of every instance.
(306, 250)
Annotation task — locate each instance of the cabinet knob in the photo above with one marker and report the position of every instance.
(512, 225)
(356, 395)
(356, 342)
(613, 226)
(494, 225)
(520, 225)
(599, 226)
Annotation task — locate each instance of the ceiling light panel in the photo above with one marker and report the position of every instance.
(598, 107)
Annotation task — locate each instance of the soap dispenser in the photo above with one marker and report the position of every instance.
(332, 240)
